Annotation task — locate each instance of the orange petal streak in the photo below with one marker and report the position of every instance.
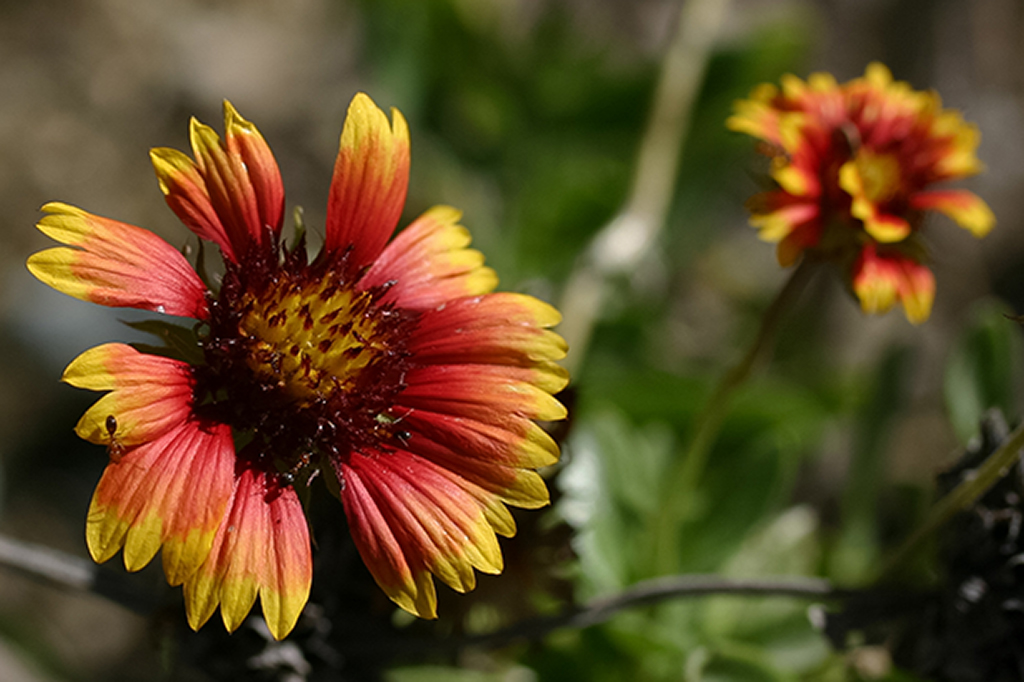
(261, 549)
(494, 394)
(371, 176)
(171, 492)
(516, 442)
(185, 192)
(244, 142)
(116, 264)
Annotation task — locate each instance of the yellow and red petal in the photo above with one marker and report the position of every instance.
(958, 159)
(514, 442)
(368, 188)
(149, 394)
(232, 192)
(917, 291)
(518, 345)
(185, 192)
(884, 228)
(820, 92)
(116, 264)
(502, 328)
(490, 393)
(497, 457)
(879, 281)
(798, 179)
(756, 116)
(804, 237)
(966, 208)
(513, 485)
(171, 493)
(430, 264)
(410, 518)
(261, 548)
(876, 284)
(779, 224)
(245, 142)
(407, 582)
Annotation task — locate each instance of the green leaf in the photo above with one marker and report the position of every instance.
(786, 545)
(739, 664)
(179, 343)
(983, 369)
(855, 555)
(612, 470)
(440, 673)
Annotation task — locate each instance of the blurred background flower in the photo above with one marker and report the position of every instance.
(529, 115)
(852, 173)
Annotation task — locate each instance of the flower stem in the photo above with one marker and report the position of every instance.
(974, 485)
(678, 504)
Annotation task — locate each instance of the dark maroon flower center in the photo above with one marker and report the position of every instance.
(302, 364)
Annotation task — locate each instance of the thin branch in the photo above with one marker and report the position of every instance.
(597, 611)
(65, 571)
(655, 591)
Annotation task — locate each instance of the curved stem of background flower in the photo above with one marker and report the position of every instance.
(995, 467)
(680, 497)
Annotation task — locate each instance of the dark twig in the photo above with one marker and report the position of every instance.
(601, 609)
(651, 592)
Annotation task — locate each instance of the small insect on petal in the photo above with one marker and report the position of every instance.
(114, 448)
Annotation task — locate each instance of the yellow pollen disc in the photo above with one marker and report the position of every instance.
(310, 339)
(879, 173)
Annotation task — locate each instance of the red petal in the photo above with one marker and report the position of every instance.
(498, 328)
(232, 193)
(489, 393)
(430, 264)
(149, 394)
(409, 516)
(261, 548)
(966, 208)
(116, 264)
(371, 176)
(171, 492)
